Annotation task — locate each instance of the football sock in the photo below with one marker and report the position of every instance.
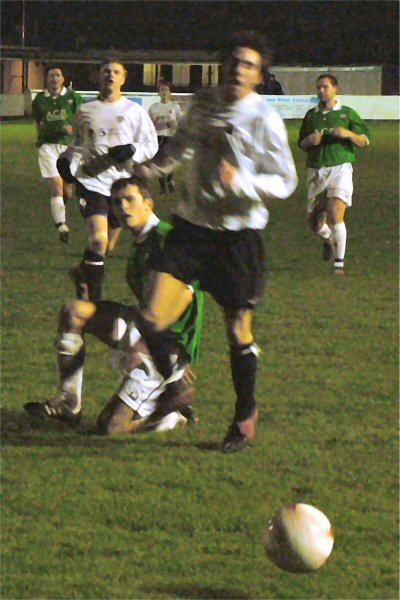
(70, 368)
(325, 232)
(339, 236)
(92, 270)
(158, 342)
(243, 369)
(57, 209)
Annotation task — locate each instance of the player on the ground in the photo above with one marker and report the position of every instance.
(165, 116)
(328, 134)
(53, 111)
(135, 406)
(111, 134)
(239, 157)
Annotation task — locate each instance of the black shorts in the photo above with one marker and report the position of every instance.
(93, 203)
(228, 264)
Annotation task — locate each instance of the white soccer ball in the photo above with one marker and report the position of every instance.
(299, 538)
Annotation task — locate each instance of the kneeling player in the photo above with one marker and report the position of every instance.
(135, 406)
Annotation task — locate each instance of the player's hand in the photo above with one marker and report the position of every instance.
(121, 153)
(226, 173)
(67, 129)
(314, 139)
(143, 171)
(189, 375)
(63, 167)
(340, 132)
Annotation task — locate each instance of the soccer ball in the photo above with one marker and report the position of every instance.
(298, 538)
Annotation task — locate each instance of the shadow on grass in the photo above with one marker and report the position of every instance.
(201, 592)
(19, 429)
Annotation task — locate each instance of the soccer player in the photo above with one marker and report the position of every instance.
(111, 134)
(53, 111)
(134, 407)
(239, 157)
(328, 134)
(165, 116)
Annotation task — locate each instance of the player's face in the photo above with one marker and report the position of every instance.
(165, 93)
(325, 90)
(242, 73)
(112, 77)
(132, 210)
(55, 81)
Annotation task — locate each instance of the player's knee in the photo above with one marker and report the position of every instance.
(98, 242)
(116, 418)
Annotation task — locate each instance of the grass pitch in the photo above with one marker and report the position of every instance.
(167, 515)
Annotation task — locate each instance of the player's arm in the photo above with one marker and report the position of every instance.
(359, 140)
(274, 175)
(357, 132)
(308, 138)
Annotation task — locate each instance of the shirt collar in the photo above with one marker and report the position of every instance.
(152, 222)
(62, 93)
(337, 106)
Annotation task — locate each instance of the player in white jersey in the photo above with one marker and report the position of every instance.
(238, 157)
(111, 134)
(165, 116)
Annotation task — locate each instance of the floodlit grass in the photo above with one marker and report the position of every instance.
(168, 515)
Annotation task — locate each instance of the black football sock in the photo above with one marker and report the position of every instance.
(92, 269)
(243, 370)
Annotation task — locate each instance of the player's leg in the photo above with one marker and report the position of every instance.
(243, 359)
(340, 192)
(336, 212)
(169, 299)
(136, 405)
(48, 154)
(113, 237)
(317, 207)
(71, 351)
(89, 276)
(106, 321)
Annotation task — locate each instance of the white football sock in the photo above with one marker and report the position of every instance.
(325, 231)
(73, 385)
(339, 235)
(57, 209)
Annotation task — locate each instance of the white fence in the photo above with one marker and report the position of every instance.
(289, 107)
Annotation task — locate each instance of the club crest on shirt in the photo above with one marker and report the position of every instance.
(342, 116)
(120, 118)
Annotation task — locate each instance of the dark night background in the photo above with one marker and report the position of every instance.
(300, 32)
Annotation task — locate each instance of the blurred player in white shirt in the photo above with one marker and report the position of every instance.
(165, 115)
(238, 158)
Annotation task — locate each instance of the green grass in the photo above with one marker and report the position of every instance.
(168, 515)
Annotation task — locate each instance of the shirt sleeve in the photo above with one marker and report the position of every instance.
(304, 129)
(275, 172)
(357, 125)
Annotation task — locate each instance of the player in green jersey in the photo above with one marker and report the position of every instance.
(135, 405)
(328, 134)
(53, 111)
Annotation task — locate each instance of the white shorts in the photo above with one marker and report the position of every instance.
(335, 182)
(142, 386)
(48, 155)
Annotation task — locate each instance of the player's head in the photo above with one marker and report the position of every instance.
(54, 79)
(112, 77)
(164, 89)
(131, 202)
(244, 63)
(327, 87)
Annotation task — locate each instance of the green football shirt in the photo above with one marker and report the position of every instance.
(53, 112)
(140, 277)
(332, 150)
